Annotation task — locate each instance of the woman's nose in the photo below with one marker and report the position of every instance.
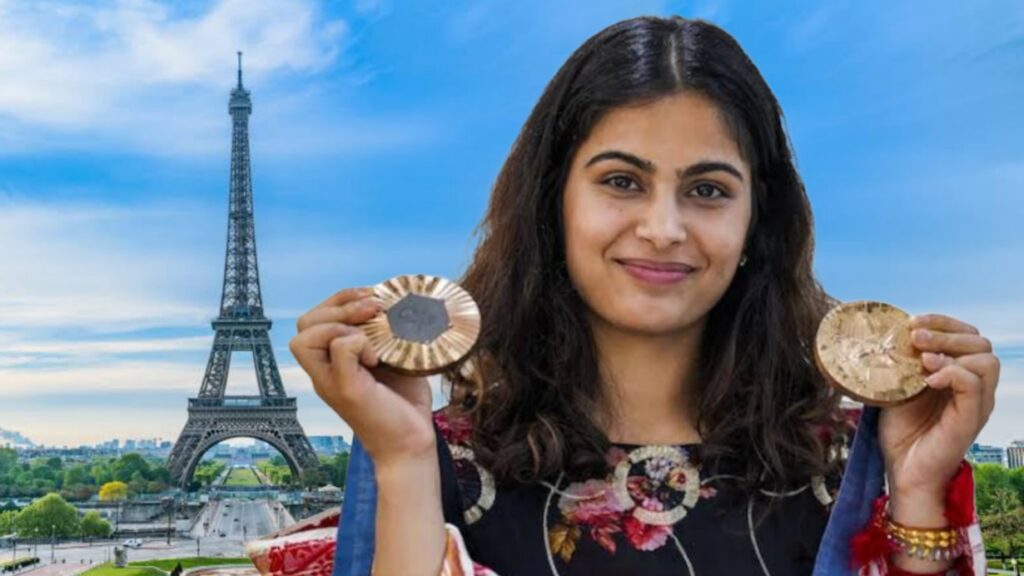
(661, 222)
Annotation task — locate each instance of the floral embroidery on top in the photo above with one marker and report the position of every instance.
(647, 491)
(476, 483)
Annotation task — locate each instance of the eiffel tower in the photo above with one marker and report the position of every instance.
(241, 326)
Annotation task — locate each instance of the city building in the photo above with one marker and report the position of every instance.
(982, 454)
(328, 444)
(1015, 454)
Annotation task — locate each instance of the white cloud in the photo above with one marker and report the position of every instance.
(94, 348)
(140, 76)
(101, 377)
(71, 65)
(104, 268)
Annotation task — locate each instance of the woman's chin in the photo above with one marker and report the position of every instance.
(652, 324)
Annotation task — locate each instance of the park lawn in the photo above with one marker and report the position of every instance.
(242, 477)
(168, 564)
(108, 569)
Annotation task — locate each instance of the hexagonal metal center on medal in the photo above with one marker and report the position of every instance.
(418, 318)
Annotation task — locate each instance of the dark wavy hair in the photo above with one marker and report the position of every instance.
(533, 386)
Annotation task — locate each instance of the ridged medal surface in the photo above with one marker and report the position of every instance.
(864, 349)
(428, 324)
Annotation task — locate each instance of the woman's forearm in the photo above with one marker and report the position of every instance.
(410, 523)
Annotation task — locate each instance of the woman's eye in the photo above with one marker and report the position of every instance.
(622, 182)
(710, 189)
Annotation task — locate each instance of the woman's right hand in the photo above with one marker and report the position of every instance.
(390, 413)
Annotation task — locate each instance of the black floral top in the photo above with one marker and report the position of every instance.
(658, 510)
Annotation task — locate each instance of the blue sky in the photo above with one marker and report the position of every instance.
(378, 129)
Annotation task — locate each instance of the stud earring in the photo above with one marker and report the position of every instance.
(743, 260)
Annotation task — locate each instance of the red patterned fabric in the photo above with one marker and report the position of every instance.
(305, 548)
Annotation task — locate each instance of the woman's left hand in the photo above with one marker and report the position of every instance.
(924, 440)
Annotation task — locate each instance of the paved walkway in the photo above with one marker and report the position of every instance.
(57, 569)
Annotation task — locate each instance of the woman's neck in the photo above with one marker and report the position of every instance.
(648, 384)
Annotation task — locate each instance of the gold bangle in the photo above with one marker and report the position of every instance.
(931, 543)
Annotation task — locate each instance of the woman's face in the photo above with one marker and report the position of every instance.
(656, 209)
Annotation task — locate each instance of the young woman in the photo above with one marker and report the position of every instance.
(643, 397)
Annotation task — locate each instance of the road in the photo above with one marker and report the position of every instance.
(240, 519)
(254, 518)
(72, 556)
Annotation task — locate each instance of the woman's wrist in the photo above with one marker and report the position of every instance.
(402, 471)
(920, 509)
(920, 530)
(923, 508)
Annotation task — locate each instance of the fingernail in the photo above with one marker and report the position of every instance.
(932, 378)
(923, 335)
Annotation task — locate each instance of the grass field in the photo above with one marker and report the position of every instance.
(162, 567)
(109, 570)
(168, 564)
(242, 477)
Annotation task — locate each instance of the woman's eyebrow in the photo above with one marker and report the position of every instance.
(709, 166)
(647, 166)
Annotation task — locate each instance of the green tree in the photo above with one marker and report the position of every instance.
(1017, 482)
(101, 473)
(78, 492)
(7, 522)
(8, 460)
(160, 473)
(994, 494)
(1004, 532)
(77, 475)
(137, 487)
(314, 477)
(49, 514)
(41, 471)
(130, 464)
(95, 527)
(339, 469)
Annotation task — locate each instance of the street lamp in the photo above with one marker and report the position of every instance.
(53, 538)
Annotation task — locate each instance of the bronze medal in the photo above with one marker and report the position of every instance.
(428, 324)
(864, 349)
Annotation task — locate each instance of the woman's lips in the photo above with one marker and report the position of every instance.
(656, 272)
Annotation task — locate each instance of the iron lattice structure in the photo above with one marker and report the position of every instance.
(241, 326)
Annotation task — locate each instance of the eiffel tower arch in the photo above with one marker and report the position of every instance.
(241, 326)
